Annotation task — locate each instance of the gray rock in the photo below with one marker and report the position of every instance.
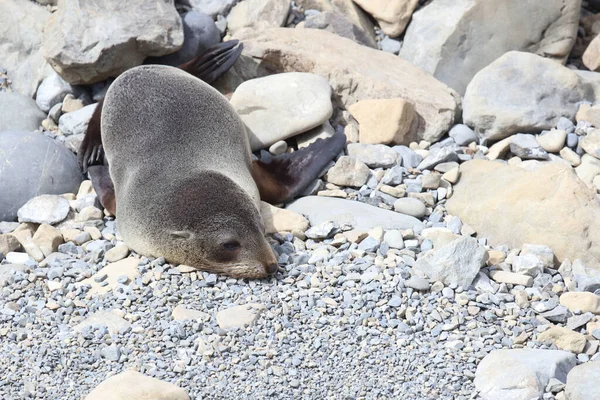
(528, 264)
(348, 171)
(393, 176)
(120, 32)
(360, 216)
(8, 270)
(417, 283)
(33, 164)
(112, 352)
(527, 147)
(577, 321)
(323, 230)
(438, 156)
(369, 244)
(582, 382)
(19, 113)
(393, 238)
(544, 253)
(453, 40)
(565, 124)
(410, 159)
(76, 122)
(339, 24)
(20, 40)
(586, 279)
(8, 227)
(199, 32)
(374, 155)
(410, 206)
(456, 263)
(390, 45)
(504, 97)
(44, 209)
(462, 134)
(52, 91)
(210, 7)
(257, 15)
(525, 373)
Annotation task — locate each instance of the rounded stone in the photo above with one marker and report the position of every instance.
(410, 206)
(45, 209)
(19, 112)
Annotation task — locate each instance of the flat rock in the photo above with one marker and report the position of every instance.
(199, 34)
(47, 238)
(278, 219)
(52, 91)
(348, 171)
(384, 121)
(582, 382)
(239, 316)
(181, 313)
(591, 56)
(132, 385)
(108, 318)
(410, 159)
(45, 209)
(438, 156)
(320, 132)
(526, 147)
(392, 15)
(360, 216)
(374, 155)
(511, 278)
(86, 42)
(582, 301)
(456, 263)
(20, 41)
(110, 274)
(283, 105)
(258, 15)
(355, 73)
(408, 206)
(564, 339)
(522, 197)
(504, 98)
(19, 113)
(521, 373)
(76, 122)
(117, 253)
(453, 40)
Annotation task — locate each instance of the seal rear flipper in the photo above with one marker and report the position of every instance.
(90, 151)
(104, 187)
(284, 177)
(215, 61)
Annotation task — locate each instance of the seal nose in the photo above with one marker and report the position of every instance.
(272, 268)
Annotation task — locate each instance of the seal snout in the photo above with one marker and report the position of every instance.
(271, 268)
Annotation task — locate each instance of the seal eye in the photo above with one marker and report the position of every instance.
(231, 245)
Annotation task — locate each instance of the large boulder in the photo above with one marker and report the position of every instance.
(522, 92)
(32, 164)
(20, 42)
(86, 41)
(533, 202)
(132, 385)
(454, 39)
(355, 73)
(19, 113)
(582, 382)
(509, 374)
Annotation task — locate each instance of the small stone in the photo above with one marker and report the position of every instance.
(591, 143)
(462, 134)
(564, 339)
(393, 176)
(570, 156)
(70, 104)
(383, 121)
(374, 155)
(438, 156)
(409, 158)
(511, 278)
(552, 141)
(528, 264)
(181, 313)
(9, 243)
(117, 253)
(108, 318)
(239, 316)
(76, 122)
(452, 175)
(581, 301)
(542, 252)
(322, 231)
(47, 238)
(417, 283)
(44, 209)
(393, 238)
(278, 148)
(17, 258)
(348, 171)
(430, 181)
(410, 206)
(526, 146)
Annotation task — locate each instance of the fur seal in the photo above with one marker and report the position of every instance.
(181, 176)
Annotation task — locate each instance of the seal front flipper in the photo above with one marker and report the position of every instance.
(286, 176)
(215, 61)
(104, 187)
(90, 151)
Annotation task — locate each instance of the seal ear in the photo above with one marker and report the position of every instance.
(104, 187)
(286, 176)
(215, 61)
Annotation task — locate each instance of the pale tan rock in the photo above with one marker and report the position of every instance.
(499, 149)
(511, 278)
(94, 232)
(90, 213)
(570, 156)
(333, 193)
(33, 250)
(132, 385)
(348, 171)
(320, 132)
(591, 56)
(49, 125)
(583, 301)
(47, 238)
(452, 175)
(112, 319)
(181, 313)
(495, 257)
(564, 339)
(392, 15)
(69, 234)
(439, 236)
(355, 73)
(257, 15)
(552, 141)
(591, 143)
(8, 243)
(117, 253)
(431, 181)
(239, 316)
(70, 104)
(278, 219)
(392, 191)
(588, 169)
(85, 188)
(127, 267)
(513, 206)
(383, 121)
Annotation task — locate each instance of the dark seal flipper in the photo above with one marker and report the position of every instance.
(285, 177)
(90, 151)
(215, 62)
(104, 187)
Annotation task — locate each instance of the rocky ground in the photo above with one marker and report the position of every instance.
(450, 252)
